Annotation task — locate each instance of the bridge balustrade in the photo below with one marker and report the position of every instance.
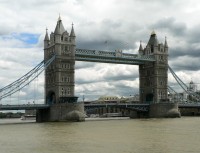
(116, 57)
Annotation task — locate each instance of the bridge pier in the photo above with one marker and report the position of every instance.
(164, 109)
(62, 112)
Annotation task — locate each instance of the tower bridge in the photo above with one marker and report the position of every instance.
(60, 56)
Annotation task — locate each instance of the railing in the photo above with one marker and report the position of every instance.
(115, 54)
(116, 57)
(138, 107)
(24, 107)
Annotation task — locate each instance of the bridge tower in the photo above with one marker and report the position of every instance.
(154, 76)
(59, 76)
(154, 79)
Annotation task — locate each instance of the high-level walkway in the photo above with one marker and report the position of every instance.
(117, 57)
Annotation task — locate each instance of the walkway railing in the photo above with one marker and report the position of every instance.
(112, 57)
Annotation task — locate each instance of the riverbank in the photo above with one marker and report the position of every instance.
(15, 121)
(106, 118)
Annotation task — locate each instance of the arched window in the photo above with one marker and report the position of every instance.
(152, 48)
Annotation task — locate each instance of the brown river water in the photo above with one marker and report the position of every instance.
(179, 135)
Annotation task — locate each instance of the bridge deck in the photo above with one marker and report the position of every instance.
(24, 107)
(138, 106)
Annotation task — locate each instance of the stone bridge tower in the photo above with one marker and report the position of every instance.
(154, 80)
(59, 77)
(154, 76)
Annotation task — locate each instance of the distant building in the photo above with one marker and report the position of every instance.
(192, 87)
(108, 99)
(115, 99)
(184, 96)
(131, 99)
(30, 112)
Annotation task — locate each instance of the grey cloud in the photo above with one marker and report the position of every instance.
(193, 35)
(110, 25)
(83, 65)
(121, 77)
(171, 25)
(185, 63)
(103, 44)
(124, 90)
(176, 52)
(107, 35)
(109, 77)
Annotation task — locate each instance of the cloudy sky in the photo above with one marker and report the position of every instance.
(121, 23)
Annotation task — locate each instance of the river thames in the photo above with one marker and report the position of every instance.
(179, 135)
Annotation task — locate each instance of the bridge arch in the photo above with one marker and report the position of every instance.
(149, 98)
(51, 97)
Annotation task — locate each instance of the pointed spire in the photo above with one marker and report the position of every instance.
(140, 48)
(59, 18)
(72, 34)
(153, 39)
(166, 45)
(153, 33)
(46, 36)
(59, 27)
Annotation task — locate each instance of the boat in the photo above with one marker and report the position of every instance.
(28, 117)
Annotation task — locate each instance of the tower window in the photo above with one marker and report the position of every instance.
(152, 49)
(68, 91)
(67, 48)
(62, 91)
(68, 79)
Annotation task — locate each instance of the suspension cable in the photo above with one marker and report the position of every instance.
(26, 79)
(183, 85)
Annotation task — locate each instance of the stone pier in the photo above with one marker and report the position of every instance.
(62, 112)
(164, 110)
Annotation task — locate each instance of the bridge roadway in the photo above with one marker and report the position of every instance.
(24, 107)
(135, 106)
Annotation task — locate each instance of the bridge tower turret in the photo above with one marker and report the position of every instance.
(46, 39)
(154, 76)
(72, 35)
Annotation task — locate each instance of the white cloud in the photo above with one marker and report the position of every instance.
(122, 23)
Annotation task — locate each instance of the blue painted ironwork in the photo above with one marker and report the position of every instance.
(189, 105)
(116, 57)
(135, 107)
(24, 107)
